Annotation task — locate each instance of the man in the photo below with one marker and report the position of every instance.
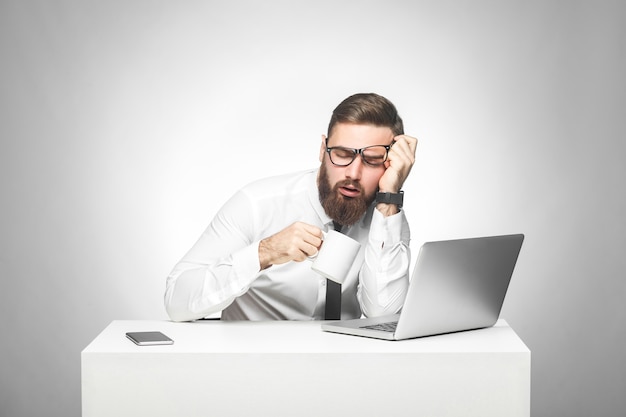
(250, 263)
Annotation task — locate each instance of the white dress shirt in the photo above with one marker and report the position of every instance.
(221, 272)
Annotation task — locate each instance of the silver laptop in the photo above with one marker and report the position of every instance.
(456, 285)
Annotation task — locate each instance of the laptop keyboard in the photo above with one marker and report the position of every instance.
(384, 327)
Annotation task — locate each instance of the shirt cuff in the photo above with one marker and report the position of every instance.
(386, 230)
(246, 261)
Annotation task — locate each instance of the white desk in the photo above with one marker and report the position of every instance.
(290, 369)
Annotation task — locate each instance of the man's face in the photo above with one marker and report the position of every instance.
(347, 191)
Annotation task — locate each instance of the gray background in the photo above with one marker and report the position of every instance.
(124, 126)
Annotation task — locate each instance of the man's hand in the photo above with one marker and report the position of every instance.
(295, 243)
(399, 163)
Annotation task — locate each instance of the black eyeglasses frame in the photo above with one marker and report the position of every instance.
(358, 152)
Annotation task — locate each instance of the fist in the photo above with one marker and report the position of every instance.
(294, 243)
(399, 163)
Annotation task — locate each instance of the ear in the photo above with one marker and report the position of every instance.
(323, 148)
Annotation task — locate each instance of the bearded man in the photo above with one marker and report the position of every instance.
(249, 262)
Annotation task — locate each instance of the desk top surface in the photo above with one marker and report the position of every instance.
(293, 337)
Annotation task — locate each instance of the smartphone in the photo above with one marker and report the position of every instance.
(149, 338)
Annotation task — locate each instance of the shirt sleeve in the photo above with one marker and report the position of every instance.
(384, 276)
(220, 266)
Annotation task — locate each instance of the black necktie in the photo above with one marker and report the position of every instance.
(333, 294)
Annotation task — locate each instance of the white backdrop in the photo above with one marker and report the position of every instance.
(124, 125)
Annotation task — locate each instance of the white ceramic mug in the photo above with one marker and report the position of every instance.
(335, 257)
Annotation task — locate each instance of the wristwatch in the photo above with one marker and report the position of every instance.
(391, 198)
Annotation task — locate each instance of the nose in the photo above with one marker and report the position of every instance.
(355, 169)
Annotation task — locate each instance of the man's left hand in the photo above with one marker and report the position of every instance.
(399, 163)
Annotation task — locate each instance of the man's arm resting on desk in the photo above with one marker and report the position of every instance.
(219, 267)
(196, 290)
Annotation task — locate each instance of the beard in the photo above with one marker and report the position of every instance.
(343, 210)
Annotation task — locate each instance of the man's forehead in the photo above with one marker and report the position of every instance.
(360, 135)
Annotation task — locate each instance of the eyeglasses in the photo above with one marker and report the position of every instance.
(375, 155)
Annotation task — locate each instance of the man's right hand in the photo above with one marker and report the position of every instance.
(294, 243)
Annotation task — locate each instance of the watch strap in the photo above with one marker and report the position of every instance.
(390, 198)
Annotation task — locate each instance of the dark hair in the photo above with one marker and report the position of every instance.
(367, 108)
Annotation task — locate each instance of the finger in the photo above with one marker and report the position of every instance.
(312, 243)
(407, 142)
(401, 155)
(305, 251)
(306, 240)
(310, 229)
(412, 143)
(405, 149)
(311, 250)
